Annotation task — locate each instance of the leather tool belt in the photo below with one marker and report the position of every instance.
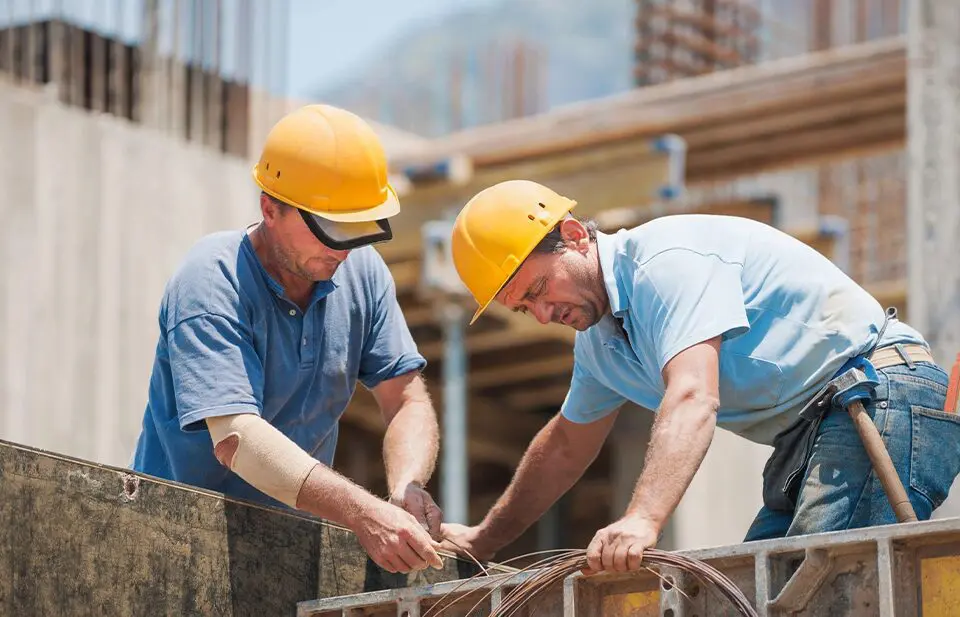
(793, 447)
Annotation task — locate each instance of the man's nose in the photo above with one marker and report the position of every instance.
(543, 313)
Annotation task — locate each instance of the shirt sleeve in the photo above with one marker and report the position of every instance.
(389, 349)
(685, 298)
(588, 400)
(216, 370)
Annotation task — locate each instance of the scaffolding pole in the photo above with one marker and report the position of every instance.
(453, 473)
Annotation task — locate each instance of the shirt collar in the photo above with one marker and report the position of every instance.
(608, 245)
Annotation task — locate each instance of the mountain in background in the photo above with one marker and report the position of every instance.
(462, 69)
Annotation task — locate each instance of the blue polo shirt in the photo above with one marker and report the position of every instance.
(231, 342)
(788, 316)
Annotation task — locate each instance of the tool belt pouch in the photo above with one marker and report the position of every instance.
(792, 449)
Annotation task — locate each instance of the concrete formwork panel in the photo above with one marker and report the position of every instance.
(85, 539)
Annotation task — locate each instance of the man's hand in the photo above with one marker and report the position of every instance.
(395, 540)
(417, 501)
(619, 547)
(461, 539)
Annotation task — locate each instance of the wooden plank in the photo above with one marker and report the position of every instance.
(884, 97)
(867, 134)
(86, 539)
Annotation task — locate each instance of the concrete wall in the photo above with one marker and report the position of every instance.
(96, 215)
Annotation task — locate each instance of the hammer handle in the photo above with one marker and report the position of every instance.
(882, 465)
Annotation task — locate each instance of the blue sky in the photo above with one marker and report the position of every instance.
(326, 38)
(329, 38)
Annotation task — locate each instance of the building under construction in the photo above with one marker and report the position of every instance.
(797, 113)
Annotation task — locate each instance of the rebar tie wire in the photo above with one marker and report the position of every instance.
(565, 562)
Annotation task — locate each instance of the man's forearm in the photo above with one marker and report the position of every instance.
(547, 470)
(333, 497)
(410, 445)
(680, 438)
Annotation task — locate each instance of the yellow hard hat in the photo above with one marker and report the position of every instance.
(497, 229)
(330, 165)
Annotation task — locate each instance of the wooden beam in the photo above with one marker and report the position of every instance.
(510, 373)
(537, 397)
(879, 95)
(814, 144)
(662, 108)
(406, 274)
(508, 338)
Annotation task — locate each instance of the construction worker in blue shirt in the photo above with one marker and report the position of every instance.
(709, 320)
(264, 333)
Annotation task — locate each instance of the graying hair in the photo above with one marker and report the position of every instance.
(553, 242)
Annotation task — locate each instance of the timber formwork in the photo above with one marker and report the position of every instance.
(907, 569)
(85, 539)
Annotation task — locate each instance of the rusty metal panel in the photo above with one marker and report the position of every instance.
(940, 586)
(639, 604)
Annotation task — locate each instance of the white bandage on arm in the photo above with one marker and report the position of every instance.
(256, 451)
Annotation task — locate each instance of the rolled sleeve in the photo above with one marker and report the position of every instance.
(588, 400)
(215, 370)
(688, 297)
(389, 349)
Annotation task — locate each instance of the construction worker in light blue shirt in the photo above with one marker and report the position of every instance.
(710, 321)
(265, 333)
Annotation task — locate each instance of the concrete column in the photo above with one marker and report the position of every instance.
(933, 202)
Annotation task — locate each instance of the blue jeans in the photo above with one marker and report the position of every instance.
(840, 489)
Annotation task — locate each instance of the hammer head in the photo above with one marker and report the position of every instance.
(856, 381)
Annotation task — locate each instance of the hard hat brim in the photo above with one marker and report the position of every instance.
(481, 309)
(486, 304)
(390, 207)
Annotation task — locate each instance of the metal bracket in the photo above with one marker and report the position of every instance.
(681, 594)
(816, 566)
(408, 608)
(438, 275)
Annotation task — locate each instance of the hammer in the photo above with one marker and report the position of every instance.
(853, 387)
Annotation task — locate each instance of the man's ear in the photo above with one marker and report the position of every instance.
(575, 235)
(268, 208)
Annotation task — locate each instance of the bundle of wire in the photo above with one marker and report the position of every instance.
(553, 570)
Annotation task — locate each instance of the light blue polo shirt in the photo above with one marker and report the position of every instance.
(788, 316)
(231, 342)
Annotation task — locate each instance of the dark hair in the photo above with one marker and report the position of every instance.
(282, 206)
(553, 242)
